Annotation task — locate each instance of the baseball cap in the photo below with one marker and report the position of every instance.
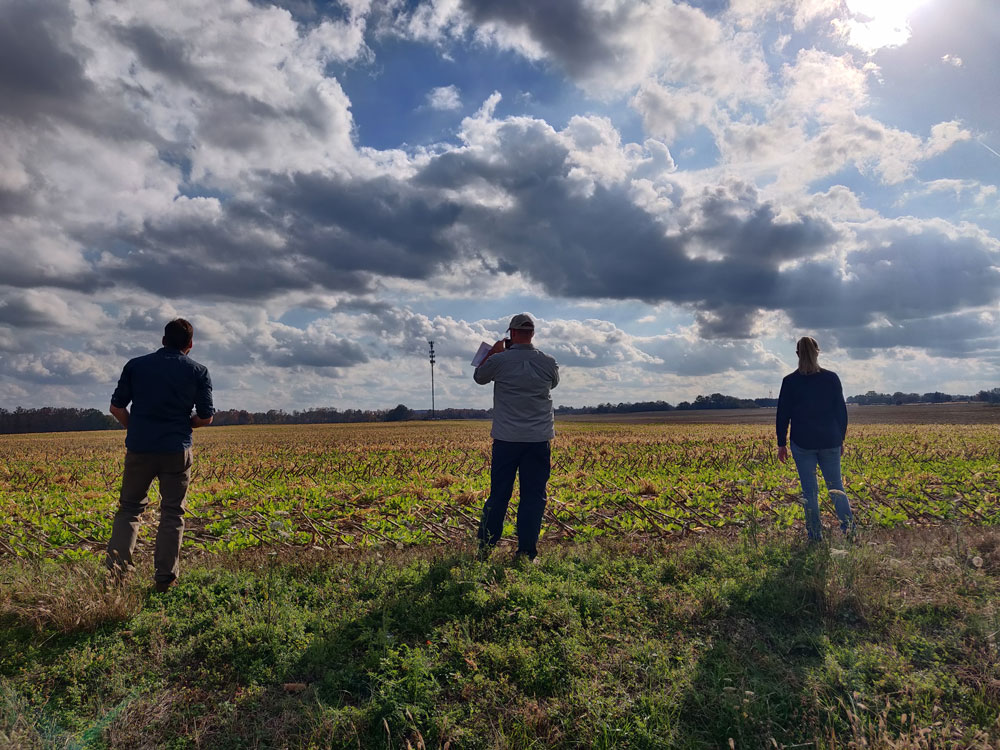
(521, 322)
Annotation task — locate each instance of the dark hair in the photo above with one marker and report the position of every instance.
(177, 334)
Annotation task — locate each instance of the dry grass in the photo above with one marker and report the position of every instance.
(80, 598)
(648, 489)
(445, 480)
(20, 733)
(873, 733)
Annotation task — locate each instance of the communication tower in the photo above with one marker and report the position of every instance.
(431, 357)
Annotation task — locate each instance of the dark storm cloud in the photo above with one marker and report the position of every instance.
(726, 321)
(17, 202)
(21, 311)
(724, 253)
(43, 76)
(229, 119)
(899, 274)
(223, 259)
(25, 266)
(302, 351)
(383, 225)
(529, 158)
(41, 72)
(734, 223)
(728, 255)
(959, 335)
(160, 54)
(366, 306)
(724, 260)
(566, 29)
(180, 274)
(731, 257)
(336, 235)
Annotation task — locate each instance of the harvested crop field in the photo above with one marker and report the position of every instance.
(423, 483)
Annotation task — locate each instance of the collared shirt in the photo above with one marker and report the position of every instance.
(162, 388)
(814, 404)
(522, 407)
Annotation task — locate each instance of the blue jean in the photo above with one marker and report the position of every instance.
(531, 460)
(828, 460)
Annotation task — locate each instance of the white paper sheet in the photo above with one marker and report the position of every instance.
(484, 349)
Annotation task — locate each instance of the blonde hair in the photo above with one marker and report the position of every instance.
(808, 351)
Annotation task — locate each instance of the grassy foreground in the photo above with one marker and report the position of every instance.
(715, 642)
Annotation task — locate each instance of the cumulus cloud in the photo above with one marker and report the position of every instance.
(58, 367)
(959, 189)
(592, 343)
(597, 243)
(687, 355)
(900, 270)
(444, 98)
(38, 308)
(182, 158)
(961, 335)
(816, 127)
(668, 112)
(801, 12)
(565, 218)
(312, 347)
(117, 108)
(602, 45)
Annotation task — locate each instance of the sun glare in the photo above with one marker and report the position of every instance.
(874, 24)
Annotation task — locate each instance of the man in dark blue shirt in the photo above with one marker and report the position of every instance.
(162, 388)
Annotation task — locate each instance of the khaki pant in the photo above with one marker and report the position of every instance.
(174, 472)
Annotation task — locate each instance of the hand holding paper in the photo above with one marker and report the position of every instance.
(481, 353)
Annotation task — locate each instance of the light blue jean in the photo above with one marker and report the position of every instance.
(828, 460)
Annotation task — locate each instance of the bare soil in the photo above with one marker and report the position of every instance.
(959, 413)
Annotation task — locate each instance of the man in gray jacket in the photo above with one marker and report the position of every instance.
(523, 425)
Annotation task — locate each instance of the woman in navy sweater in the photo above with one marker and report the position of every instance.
(812, 399)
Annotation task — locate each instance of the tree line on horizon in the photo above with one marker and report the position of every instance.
(63, 419)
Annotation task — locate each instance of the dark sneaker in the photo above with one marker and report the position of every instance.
(484, 552)
(525, 558)
(162, 587)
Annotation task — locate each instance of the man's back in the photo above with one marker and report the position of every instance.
(163, 387)
(522, 406)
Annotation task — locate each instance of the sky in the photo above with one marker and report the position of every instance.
(675, 191)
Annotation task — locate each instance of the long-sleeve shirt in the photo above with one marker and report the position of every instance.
(162, 388)
(522, 377)
(814, 404)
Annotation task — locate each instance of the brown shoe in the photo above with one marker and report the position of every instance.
(162, 587)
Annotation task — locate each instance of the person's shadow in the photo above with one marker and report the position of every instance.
(751, 687)
(377, 662)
